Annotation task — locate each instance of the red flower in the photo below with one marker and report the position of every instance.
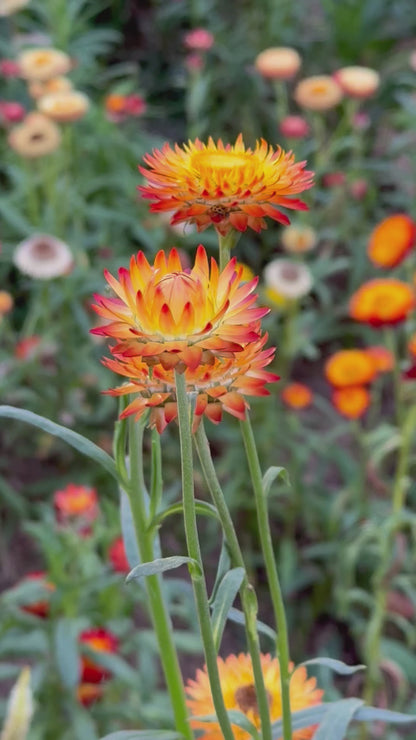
(76, 503)
(102, 641)
(117, 556)
(39, 608)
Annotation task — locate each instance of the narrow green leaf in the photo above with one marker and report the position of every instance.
(337, 719)
(201, 507)
(66, 651)
(224, 565)
(80, 443)
(237, 616)
(142, 735)
(373, 714)
(270, 476)
(335, 665)
(226, 593)
(159, 566)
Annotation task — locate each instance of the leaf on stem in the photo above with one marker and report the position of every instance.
(226, 593)
(271, 475)
(160, 565)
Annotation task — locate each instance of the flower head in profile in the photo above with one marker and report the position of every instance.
(382, 302)
(117, 556)
(350, 367)
(297, 396)
(278, 63)
(38, 89)
(358, 82)
(391, 240)
(351, 402)
(320, 92)
(222, 384)
(100, 640)
(6, 302)
(43, 64)
(199, 39)
(229, 186)
(237, 685)
(43, 257)
(63, 107)
(35, 137)
(165, 314)
(76, 503)
(286, 279)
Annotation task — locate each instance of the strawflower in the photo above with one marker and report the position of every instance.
(351, 402)
(165, 314)
(391, 240)
(35, 137)
(319, 93)
(60, 84)
(229, 186)
(278, 63)
(6, 302)
(199, 39)
(237, 685)
(297, 396)
(358, 82)
(220, 385)
(64, 107)
(41, 607)
(11, 112)
(75, 503)
(100, 640)
(350, 367)
(43, 64)
(117, 556)
(294, 127)
(299, 239)
(382, 302)
(88, 693)
(288, 279)
(382, 357)
(43, 257)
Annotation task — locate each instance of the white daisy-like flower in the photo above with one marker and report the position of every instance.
(43, 257)
(288, 279)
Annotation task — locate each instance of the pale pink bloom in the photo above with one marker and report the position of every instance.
(294, 127)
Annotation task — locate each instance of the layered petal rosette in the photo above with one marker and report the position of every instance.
(164, 314)
(227, 185)
(220, 385)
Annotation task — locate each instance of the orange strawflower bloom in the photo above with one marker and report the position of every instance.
(166, 314)
(75, 502)
(351, 402)
(383, 358)
(391, 240)
(237, 685)
(412, 345)
(382, 302)
(297, 395)
(229, 186)
(350, 367)
(102, 641)
(6, 302)
(88, 693)
(221, 384)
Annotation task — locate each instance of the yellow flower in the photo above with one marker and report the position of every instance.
(237, 685)
(229, 186)
(43, 64)
(35, 137)
(319, 92)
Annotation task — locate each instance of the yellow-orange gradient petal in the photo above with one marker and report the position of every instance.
(167, 314)
(220, 385)
(382, 302)
(350, 367)
(237, 685)
(229, 186)
(391, 240)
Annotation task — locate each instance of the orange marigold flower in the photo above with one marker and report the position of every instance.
(382, 302)
(412, 345)
(391, 240)
(297, 395)
(237, 685)
(117, 556)
(76, 502)
(220, 385)
(102, 641)
(166, 314)
(383, 358)
(350, 367)
(351, 402)
(230, 186)
(88, 693)
(41, 607)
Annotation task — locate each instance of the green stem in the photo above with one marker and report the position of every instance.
(160, 617)
(272, 575)
(391, 345)
(226, 244)
(360, 494)
(282, 100)
(191, 532)
(246, 591)
(381, 577)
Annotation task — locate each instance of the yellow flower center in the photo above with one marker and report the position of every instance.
(218, 160)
